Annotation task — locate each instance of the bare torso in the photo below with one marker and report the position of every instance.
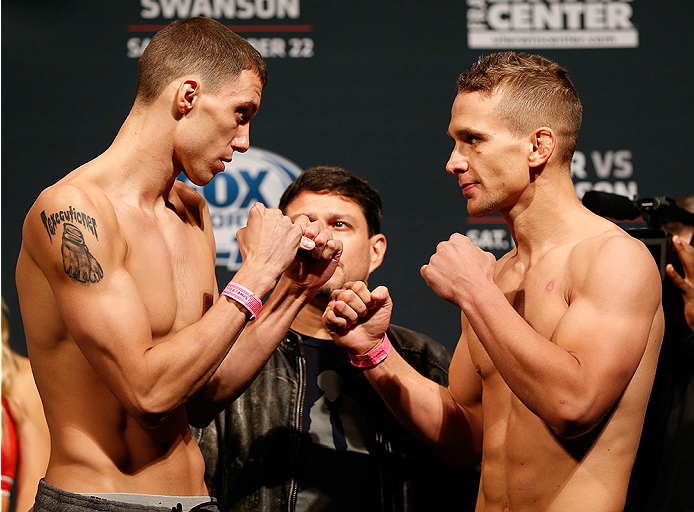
(526, 466)
(97, 446)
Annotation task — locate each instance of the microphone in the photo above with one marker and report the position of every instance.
(609, 205)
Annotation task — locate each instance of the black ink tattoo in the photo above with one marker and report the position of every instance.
(70, 215)
(78, 262)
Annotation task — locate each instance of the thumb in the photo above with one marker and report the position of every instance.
(380, 295)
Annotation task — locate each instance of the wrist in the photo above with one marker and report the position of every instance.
(374, 357)
(245, 297)
(258, 280)
(297, 290)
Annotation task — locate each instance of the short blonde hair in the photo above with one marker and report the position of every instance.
(535, 92)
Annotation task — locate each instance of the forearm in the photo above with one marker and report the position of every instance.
(249, 354)
(176, 369)
(172, 371)
(427, 410)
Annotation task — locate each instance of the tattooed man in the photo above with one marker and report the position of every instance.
(128, 338)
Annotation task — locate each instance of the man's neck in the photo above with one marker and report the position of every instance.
(545, 218)
(142, 150)
(309, 321)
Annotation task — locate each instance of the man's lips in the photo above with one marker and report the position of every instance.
(224, 162)
(467, 188)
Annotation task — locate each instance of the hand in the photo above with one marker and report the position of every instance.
(356, 318)
(685, 252)
(457, 267)
(312, 269)
(268, 245)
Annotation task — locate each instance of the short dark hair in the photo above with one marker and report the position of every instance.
(338, 181)
(535, 92)
(195, 45)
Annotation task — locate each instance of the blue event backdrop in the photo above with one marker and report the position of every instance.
(361, 84)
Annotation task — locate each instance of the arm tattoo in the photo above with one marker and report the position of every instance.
(71, 215)
(78, 262)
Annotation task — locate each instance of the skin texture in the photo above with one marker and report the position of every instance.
(127, 335)
(560, 337)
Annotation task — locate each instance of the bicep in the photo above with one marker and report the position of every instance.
(610, 319)
(98, 300)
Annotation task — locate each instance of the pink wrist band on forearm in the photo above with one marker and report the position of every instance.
(245, 297)
(374, 357)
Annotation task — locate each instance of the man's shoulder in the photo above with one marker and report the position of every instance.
(612, 246)
(69, 201)
(614, 260)
(80, 185)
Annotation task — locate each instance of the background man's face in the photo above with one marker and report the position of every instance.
(345, 219)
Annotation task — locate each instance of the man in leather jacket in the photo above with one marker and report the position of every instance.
(310, 433)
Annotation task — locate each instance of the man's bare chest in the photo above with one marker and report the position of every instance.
(540, 296)
(172, 266)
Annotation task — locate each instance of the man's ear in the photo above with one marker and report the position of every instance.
(378, 250)
(187, 94)
(544, 141)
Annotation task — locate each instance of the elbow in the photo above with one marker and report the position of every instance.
(572, 423)
(151, 411)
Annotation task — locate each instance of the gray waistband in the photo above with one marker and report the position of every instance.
(54, 499)
(152, 500)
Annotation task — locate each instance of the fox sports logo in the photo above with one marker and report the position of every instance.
(257, 175)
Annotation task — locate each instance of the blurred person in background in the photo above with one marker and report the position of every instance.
(664, 467)
(26, 442)
(682, 235)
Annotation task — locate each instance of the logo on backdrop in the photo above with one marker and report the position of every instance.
(257, 175)
(609, 171)
(550, 24)
(273, 27)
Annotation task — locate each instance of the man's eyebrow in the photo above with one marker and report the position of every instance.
(249, 104)
(465, 132)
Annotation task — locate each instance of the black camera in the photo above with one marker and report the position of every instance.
(655, 212)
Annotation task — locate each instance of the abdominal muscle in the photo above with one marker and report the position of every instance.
(526, 467)
(97, 446)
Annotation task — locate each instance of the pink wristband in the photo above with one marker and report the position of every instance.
(245, 297)
(374, 357)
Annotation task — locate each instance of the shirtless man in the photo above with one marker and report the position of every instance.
(117, 287)
(560, 337)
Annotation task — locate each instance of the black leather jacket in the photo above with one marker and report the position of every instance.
(252, 448)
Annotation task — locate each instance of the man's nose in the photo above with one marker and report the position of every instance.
(457, 163)
(242, 140)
